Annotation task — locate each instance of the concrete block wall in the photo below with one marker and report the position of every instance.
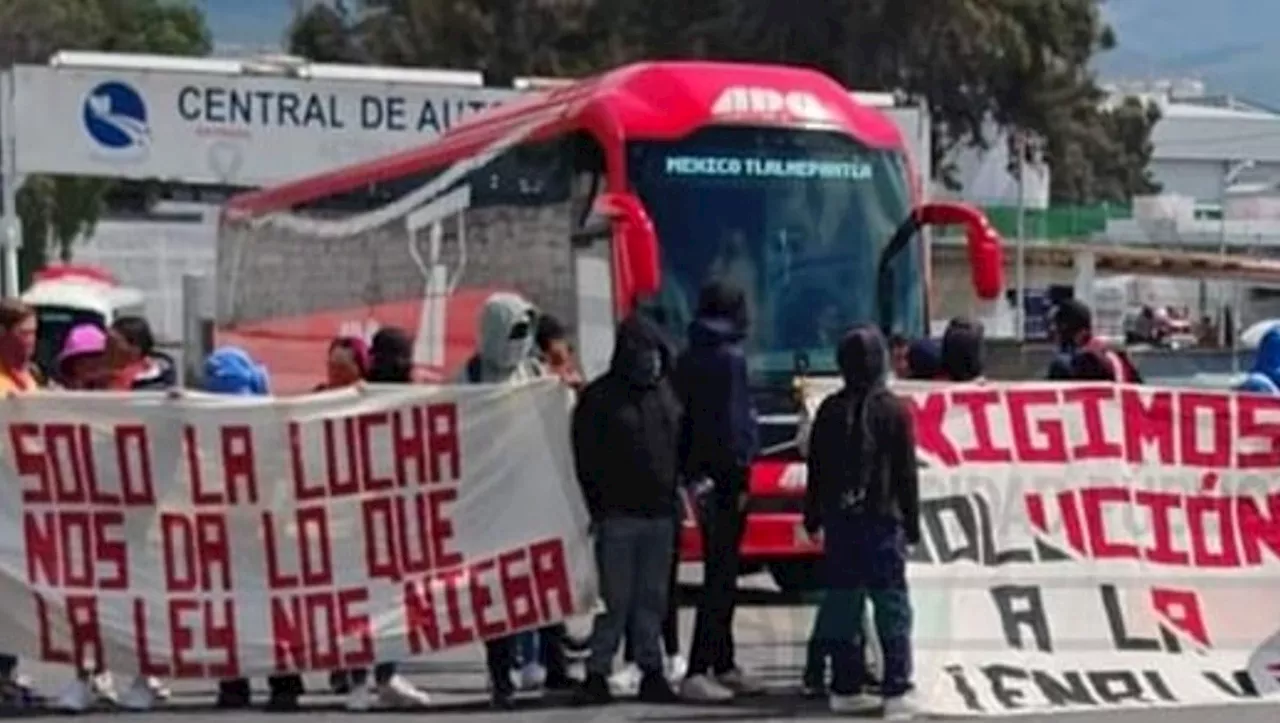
(282, 273)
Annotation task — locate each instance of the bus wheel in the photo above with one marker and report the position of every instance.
(796, 576)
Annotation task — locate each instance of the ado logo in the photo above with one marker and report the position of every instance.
(755, 101)
(115, 117)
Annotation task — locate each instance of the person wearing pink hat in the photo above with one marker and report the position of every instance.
(82, 364)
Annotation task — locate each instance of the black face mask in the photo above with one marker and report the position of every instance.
(645, 368)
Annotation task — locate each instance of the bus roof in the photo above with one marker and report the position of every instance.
(656, 100)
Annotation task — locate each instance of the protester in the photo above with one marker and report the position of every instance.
(82, 363)
(505, 356)
(1072, 326)
(718, 441)
(626, 446)
(899, 353)
(390, 357)
(555, 351)
(135, 362)
(231, 371)
(390, 361)
(17, 347)
(138, 366)
(924, 360)
(863, 496)
(347, 363)
(1264, 378)
(962, 351)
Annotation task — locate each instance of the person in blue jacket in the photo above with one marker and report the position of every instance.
(1264, 378)
(231, 371)
(717, 442)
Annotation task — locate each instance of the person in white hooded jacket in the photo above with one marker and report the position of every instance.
(504, 355)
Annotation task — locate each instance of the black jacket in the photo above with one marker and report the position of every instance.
(159, 374)
(626, 427)
(719, 430)
(862, 456)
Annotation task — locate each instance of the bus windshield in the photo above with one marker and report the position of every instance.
(796, 218)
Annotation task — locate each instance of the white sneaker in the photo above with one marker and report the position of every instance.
(361, 698)
(740, 683)
(901, 707)
(857, 703)
(140, 695)
(626, 682)
(532, 676)
(103, 686)
(77, 697)
(676, 667)
(159, 689)
(400, 693)
(704, 689)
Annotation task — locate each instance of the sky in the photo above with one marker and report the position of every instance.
(259, 24)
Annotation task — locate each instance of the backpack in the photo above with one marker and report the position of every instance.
(1122, 369)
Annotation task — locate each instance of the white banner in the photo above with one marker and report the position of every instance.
(234, 130)
(213, 537)
(1094, 546)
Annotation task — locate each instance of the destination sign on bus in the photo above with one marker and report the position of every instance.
(767, 167)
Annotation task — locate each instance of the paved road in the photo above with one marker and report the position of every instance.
(771, 639)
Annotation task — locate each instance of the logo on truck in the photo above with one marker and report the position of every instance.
(741, 100)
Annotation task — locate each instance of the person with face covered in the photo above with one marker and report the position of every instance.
(863, 495)
(626, 448)
(505, 356)
(961, 352)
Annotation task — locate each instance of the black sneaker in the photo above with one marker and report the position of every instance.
(654, 688)
(340, 682)
(504, 700)
(234, 694)
(558, 682)
(595, 691)
(283, 703)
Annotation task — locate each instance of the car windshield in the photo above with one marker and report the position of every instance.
(53, 325)
(796, 218)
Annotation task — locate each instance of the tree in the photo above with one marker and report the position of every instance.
(58, 210)
(1014, 64)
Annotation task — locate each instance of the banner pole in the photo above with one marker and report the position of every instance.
(10, 224)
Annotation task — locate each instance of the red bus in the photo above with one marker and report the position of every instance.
(626, 190)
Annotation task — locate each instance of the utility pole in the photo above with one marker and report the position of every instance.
(1020, 164)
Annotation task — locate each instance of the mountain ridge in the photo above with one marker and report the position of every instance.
(1231, 45)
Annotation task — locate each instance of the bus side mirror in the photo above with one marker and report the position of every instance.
(638, 247)
(986, 261)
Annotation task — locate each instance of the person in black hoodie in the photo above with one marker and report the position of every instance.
(1072, 325)
(718, 441)
(390, 357)
(625, 442)
(863, 495)
(962, 351)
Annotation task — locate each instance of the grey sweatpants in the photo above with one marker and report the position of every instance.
(634, 557)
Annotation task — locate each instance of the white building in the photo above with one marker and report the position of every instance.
(1204, 144)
